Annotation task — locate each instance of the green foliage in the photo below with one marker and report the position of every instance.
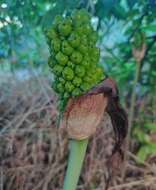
(149, 28)
(144, 138)
(68, 58)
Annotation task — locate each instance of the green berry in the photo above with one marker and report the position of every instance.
(76, 92)
(93, 37)
(70, 64)
(87, 30)
(65, 28)
(86, 63)
(94, 54)
(58, 20)
(87, 79)
(66, 48)
(83, 48)
(94, 78)
(80, 71)
(74, 40)
(51, 34)
(79, 30)
(81, 17)
(84, 40)
(76, 57)
(99, 73)
(85, 86)
(66, 95)
(68, 20)
(69, 86)
(61, 58)
(60, 88)
(56, 44)
(57, 69)
(62, 80)
(68, 73)
(77, 81)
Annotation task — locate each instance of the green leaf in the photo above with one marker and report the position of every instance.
(149, 28)
(119, 12)
(131, 3)
(141, 136)
(153, 73)
(150, 126)
(142, 154)
(103, 7)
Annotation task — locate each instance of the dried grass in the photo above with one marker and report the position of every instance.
(33, 152)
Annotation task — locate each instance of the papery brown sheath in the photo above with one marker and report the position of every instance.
(83, 114)
(103, 97)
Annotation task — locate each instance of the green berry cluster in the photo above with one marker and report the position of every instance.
(74, 56)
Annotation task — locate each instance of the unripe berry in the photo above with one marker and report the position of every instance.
(88, 79)
(60, 88)
(99, 73)
(84, 39)
(86, 63)
(83, 48)
(66, 48)
(69, 86)
(74, 40)
(76, 92)
(87, 29)
(79, 30)
(66, 95)
(81, 17)
(51, 34)
(85, 86)
(64, 28)
(77, 81)
(68, 73)
(61, 58)
(62, 80)
(57, 69)
(70, 64)
(76, 57)
(93, 37)
(55, 45)
(58, 19)
(80, 71)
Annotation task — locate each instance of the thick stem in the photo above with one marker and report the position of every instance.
(76, 157)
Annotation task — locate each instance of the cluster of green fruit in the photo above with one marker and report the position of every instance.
(74, 56)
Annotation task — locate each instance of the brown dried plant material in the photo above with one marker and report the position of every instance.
(83, 115)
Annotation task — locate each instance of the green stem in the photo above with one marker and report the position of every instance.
(76, 157)
(133, 97)
(131, 113)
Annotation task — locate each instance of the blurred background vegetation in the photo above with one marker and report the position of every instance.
(124, 27)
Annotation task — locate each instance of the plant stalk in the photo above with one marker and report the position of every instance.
(131, 113)
(75, 161)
